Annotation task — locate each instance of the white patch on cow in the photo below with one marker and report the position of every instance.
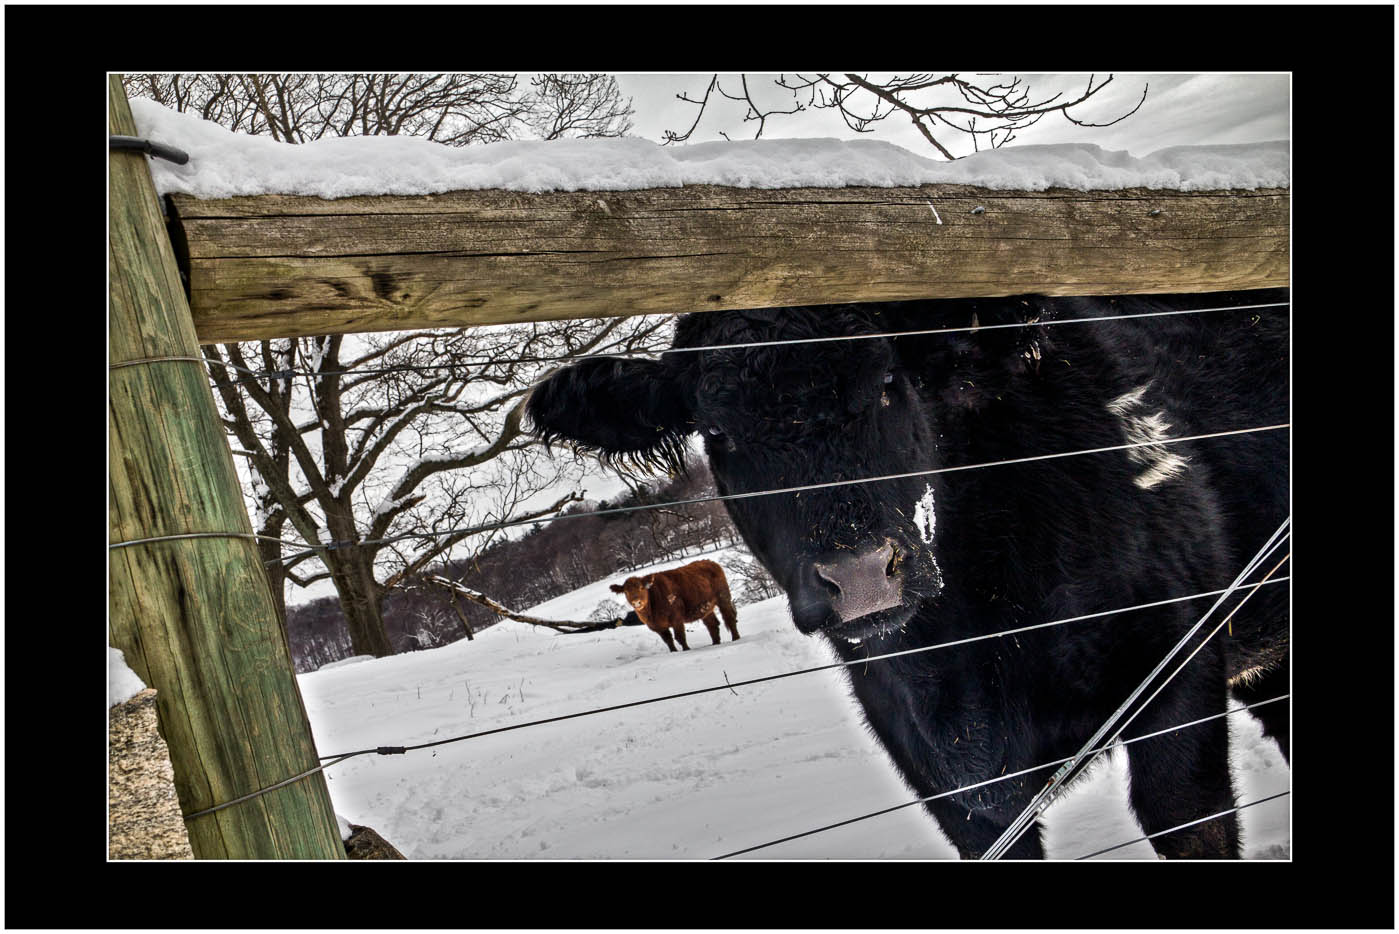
(924, 519)
(1127, 401)
(1162, 463)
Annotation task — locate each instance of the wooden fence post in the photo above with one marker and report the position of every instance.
(195, 617)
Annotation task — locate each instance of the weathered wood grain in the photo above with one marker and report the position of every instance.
(279, 266)
(195, 618)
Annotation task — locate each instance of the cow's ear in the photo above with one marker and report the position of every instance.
(627, 411)
(994, 344)
(618, 588)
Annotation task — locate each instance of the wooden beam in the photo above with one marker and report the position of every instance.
(195, 617)
(282, 266)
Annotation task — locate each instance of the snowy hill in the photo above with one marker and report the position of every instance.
(691, 778)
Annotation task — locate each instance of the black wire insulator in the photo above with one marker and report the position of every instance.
(159, 150)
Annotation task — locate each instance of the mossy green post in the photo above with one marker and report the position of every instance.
(195, 618)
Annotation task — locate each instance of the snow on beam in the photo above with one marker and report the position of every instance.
(292, 265)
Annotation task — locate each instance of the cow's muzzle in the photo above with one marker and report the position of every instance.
(839, 588)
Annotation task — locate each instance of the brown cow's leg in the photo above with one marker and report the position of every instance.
(680, 637)
(726, 607)
(666, 637)
(711, 623)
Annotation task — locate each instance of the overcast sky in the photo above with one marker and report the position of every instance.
(1180, 110)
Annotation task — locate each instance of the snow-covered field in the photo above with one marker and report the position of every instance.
(691, 778)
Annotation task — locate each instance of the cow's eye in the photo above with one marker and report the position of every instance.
(715, 430)
(888, 377)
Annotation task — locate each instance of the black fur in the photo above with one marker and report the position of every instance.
(618, 409)
(1013, 545)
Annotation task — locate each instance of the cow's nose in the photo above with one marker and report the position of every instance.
(862, 583)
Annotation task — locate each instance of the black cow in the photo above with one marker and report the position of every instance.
(901, 563)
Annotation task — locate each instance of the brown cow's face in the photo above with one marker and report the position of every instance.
(637, 591)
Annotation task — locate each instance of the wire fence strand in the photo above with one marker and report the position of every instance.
(726, 686)
(262, 791)
(625, 354)
(617, 510)
(999, 778)
(1084, 758)
(498, 526)
(803, 671)
(333, 760)
(1159, 833)
(184, 535)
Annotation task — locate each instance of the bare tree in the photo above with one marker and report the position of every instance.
(581, 106)
(986, 110)
(751, 581)
(455, 109)
(396, 446)
(377, 451)
(269, 515)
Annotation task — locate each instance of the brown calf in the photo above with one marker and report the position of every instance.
(667, 600)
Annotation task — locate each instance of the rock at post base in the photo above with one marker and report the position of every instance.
(365, 843)
(143, 812)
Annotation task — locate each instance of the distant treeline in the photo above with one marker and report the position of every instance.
(551, 559)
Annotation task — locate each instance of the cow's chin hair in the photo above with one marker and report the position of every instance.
(871, 625)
